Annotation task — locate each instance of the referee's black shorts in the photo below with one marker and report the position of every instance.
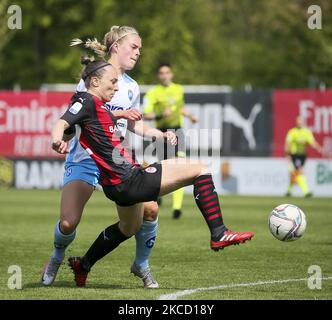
(142, 186)
(298, 160)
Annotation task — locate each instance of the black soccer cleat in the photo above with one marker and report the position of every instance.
(177, 213)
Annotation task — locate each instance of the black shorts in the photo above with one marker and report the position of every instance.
(167, 151)
(298, 160)
(142, 186)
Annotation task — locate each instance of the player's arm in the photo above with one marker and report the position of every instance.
(58, 143)
(144, 130)
(130, 114)
(73, 115)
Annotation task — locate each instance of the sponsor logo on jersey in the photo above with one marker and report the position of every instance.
(151, 169)
(75, 108)
(130, 94)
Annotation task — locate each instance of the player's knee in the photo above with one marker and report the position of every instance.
(68, 226)
(203, 168)
(150, 211)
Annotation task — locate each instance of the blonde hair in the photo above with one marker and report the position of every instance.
(115, 35)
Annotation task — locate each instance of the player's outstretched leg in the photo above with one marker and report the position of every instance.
(207, 201)
(177, 173)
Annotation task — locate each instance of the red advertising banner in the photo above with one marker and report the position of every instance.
(314, 106)
(27, 117)
(26, 120)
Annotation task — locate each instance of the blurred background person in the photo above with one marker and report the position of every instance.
(228, 181)
(164, 104)
(297, 141)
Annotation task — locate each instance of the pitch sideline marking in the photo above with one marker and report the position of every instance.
(175, 295)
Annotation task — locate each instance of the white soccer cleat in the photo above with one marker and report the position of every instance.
(50, 271)
(148, 279)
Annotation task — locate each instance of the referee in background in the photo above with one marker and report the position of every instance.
(164, 104)
(297, 141)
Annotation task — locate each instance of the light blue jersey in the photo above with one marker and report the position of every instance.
(79, 165)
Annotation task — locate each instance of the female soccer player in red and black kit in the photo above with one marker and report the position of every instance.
(123, 180)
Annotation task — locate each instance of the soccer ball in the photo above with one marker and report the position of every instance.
(287, 222)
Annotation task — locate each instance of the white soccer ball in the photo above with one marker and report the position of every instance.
(287, 222)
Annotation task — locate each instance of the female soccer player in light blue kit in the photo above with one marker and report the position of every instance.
(122, 46)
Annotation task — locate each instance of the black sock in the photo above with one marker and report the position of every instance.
(106, 242)
(207, 201)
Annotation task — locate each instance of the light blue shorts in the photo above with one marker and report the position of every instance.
(84, 170)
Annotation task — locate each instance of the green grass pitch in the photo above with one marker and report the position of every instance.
(181, 258)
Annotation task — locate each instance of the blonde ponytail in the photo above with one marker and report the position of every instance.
(115, 35)
(93, 45)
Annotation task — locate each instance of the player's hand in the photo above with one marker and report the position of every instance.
(171, 137)
(130, 114)
(60, 147)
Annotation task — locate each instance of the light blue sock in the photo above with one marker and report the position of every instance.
(145, 239)
(61, 242)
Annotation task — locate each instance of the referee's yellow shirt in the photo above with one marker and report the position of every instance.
(159, 98)
(299, 139)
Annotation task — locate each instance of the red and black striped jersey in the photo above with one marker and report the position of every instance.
(101, 138)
